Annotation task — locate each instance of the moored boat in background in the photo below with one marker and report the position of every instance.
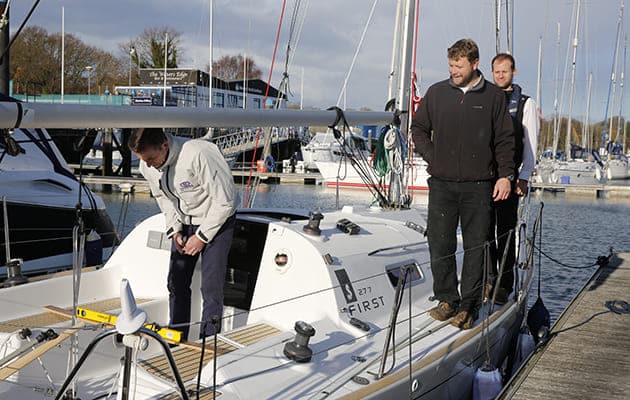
(42, 199)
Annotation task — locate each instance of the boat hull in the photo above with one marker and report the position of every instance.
(449, 372)
(345, 176)
(573, 172)
(41, 196)
(617, 170)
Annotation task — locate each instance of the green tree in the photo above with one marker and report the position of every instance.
(147, 49)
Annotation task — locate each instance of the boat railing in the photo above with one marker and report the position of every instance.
(127, 361)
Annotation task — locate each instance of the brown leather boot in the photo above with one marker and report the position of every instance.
(442, 312)
(463, 320)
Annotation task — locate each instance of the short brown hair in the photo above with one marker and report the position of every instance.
(503, 57)
(144, 138)
(464, 48)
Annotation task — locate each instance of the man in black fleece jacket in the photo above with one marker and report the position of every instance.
(463, 131)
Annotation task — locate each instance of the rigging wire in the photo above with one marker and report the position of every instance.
(508, 22)
(284, 86)
(415, 86)
(356, 158)
(252, 186)
(343, 92)
(275, 49)
(17, 33)
(122, 216)
(410, 347)
(485, 321)
(302, 20)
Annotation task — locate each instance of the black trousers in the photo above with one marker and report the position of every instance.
(452, 203)
(214, 258)
(506, 214)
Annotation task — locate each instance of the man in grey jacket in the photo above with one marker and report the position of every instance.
(193, 186)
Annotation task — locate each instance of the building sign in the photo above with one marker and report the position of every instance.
(155, 77)
(250, 89)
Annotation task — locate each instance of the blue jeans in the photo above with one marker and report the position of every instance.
(214, 258)
(452, 203)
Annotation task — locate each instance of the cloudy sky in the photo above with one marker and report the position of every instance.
(331, 31)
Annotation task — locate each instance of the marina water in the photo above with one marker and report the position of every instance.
(575, 230)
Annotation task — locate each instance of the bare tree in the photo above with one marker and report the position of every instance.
(232, 67)
(36, 64)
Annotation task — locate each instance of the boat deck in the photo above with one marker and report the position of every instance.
(48, 318)
(187, 357)
(52, 316)
(588, 355)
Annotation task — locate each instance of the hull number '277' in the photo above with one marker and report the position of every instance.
(350, 294)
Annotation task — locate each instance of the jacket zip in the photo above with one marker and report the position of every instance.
(172, 192)
(459, 145)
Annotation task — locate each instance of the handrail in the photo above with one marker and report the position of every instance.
(401, 246)
(400, 288)
(110, 332)
(6, 230)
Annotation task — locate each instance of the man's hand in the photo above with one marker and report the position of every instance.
(521, 187)
(501, 189)
(178, 239)
(193, 245)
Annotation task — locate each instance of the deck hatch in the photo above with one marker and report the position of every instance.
(394, 273)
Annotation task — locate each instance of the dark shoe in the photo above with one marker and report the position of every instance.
(442, 312)
(463, 320)
(502, 296)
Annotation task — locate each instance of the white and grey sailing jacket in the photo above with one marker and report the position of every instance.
(193, 187)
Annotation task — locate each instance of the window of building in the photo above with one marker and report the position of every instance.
(219, 100)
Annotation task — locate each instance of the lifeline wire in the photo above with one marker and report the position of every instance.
(601, 260)
(326, 289)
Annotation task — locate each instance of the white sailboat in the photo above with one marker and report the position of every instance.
(336, 174)
(324, 147)
(617, 166)
(318, 305)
